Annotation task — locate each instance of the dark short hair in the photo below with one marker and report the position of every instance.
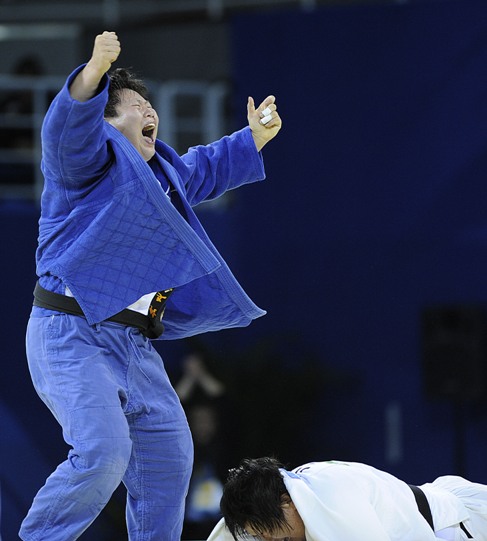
(121, 79)
(253, 496)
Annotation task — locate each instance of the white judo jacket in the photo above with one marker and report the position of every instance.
(347, 501)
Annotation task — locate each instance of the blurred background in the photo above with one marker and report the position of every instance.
(367, 243)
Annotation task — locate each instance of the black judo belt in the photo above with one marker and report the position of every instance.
(424, 509)
(150, 325)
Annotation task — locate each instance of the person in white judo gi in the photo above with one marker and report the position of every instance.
(346, 501)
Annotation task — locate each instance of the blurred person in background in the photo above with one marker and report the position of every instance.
(204, 399)
(19, 105)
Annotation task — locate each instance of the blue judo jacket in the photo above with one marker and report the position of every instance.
(109, 232)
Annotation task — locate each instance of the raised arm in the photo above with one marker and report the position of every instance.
(74, 142)
(105, 51)
(232, 161)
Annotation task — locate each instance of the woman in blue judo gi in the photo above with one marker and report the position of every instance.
(119, 248)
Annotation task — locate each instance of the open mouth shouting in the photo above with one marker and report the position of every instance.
(149, 133)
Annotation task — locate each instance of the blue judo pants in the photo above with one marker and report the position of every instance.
(107, 387)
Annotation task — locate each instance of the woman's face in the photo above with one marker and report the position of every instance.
(138, 121)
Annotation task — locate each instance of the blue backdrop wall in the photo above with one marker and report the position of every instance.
(374, 209)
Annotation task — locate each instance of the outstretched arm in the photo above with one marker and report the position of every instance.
(264, 121)
(105, 51)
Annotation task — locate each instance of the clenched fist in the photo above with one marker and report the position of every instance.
(105, 51)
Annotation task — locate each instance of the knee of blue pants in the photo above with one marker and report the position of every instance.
(100, 464)
(104, 455)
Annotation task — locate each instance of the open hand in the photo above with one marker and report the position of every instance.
(264, 121)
